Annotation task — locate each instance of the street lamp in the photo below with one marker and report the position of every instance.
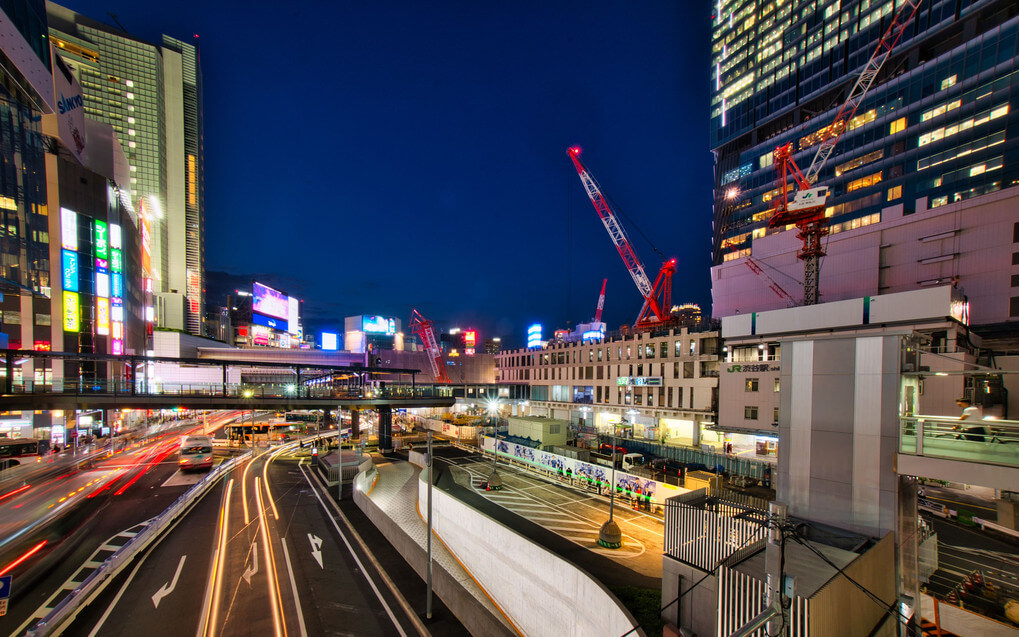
(494, 480)
(610, 536)
(248, 393)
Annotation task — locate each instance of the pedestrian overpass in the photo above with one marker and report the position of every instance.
(33, 381)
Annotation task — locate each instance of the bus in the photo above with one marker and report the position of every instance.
(195, 453)
(14, 451)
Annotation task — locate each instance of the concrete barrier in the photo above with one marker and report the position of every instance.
(539, 591)
(446, 586)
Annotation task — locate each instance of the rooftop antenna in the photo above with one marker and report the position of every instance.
(117, 20)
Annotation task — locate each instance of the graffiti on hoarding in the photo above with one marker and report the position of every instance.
(627, 484)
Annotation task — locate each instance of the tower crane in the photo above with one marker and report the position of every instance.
(426, 331)
(601, 302)
(806, 210)
(657, 296)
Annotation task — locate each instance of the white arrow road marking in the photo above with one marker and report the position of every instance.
(169, 586)
(316, 548)
(251, 570)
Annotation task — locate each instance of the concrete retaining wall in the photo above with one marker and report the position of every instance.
(540, 592)
(475, 617)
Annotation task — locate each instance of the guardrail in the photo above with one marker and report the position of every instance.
(982, 441)
(68, 608)
(106, 387)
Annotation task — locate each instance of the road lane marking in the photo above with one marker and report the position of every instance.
(293, 587)
(277, 602)
(169, 586)
(210, 607)
(251, 570)
(316, 549)
(371, 582)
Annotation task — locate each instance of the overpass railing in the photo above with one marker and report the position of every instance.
(988, 441)
(107, 387)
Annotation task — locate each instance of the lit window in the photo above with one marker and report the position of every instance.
(897, 126)
(939, 201)
(130, 96)
(130, 144)
(130, 131)
(894, 193)
(129, 83)
(864, 182)
(947, 82)
(130, 120)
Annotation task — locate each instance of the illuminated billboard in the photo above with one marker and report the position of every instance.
(68, 229)
(268, 321)
(116, 260)
(72, 313)
(115, 236)
(270, 302)
(293, 314)
(534, 336)
(378, 325)
(260, 335)
(329, 342)
(103, 317)
(470, 338)
(70, 270)
(102, 283)
(117, 289)
(102, 240)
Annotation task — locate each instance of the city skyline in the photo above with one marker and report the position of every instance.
(432, 150)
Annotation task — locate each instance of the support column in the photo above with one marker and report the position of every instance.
(696, 441)
(355, 424)
(385, 428)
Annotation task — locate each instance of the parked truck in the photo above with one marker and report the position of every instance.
(626, 461)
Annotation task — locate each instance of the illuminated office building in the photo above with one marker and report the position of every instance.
(151, 96)
(924, 178)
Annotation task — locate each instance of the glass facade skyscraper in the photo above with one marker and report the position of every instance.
(939, 126)
(151, 96)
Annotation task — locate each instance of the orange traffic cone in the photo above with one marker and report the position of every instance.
(953, 598)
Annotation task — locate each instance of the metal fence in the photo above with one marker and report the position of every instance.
(702, 528)
(756, 469)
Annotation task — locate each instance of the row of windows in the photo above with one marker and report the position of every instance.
(706, 346)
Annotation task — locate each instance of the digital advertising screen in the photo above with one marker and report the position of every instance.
(329, 342)
(268, 321)
(270, 302)
(293, 315)
(378, 325)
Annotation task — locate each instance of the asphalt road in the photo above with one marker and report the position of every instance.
(75, 514)
(282, 560)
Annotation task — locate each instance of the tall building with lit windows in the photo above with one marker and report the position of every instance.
(151, 95)
(924, 179)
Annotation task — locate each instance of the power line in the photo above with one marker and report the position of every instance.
(886, 607)
(708, 574)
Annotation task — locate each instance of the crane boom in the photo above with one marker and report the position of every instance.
(657, 295)
(601, 302)
(863, 83)
(806, 209)
(424, 329)
(616, 232)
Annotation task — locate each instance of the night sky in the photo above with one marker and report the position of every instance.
(373, 157)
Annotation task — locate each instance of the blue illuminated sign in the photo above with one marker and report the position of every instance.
(266, 321)
(118, 285)
(70, 270)
(534, 336)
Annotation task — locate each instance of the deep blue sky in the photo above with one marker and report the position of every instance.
(377, 156)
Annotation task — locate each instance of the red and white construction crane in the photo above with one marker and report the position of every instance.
(425, 330)
(601, 302)
(806, 210)
(657, 296)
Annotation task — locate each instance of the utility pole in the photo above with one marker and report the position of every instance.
(428, 601)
